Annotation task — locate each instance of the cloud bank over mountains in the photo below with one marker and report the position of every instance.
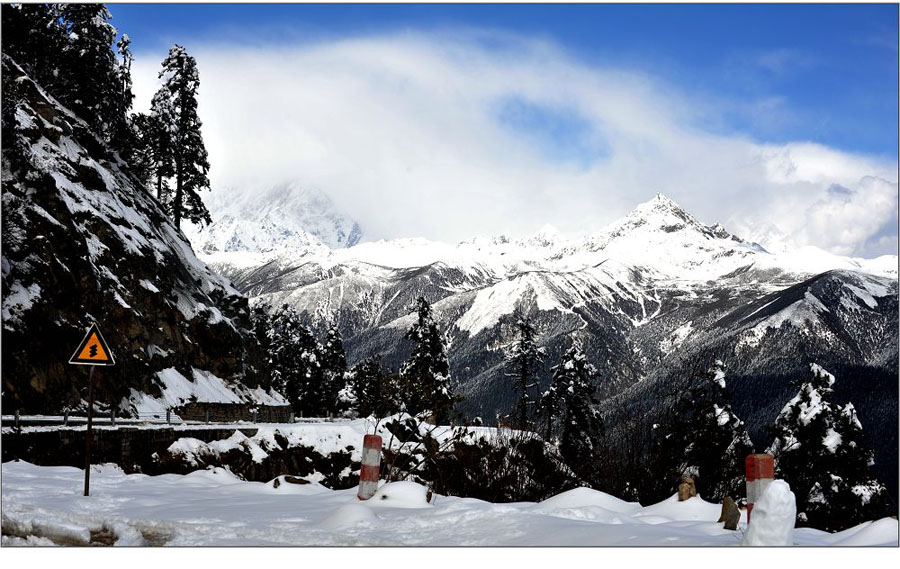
(465, 132)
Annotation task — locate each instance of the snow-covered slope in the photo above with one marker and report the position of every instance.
(83, 243)
(40, 509)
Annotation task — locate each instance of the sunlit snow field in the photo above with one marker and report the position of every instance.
(43, 506)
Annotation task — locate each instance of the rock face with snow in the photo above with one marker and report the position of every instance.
(83, 243)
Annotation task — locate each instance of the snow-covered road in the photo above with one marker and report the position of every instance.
(43, 505)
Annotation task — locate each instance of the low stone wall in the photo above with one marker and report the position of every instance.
(224, 412)
(131, 448)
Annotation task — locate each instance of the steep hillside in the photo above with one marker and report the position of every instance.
(82, 244)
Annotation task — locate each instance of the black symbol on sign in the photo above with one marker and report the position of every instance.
(93, 351)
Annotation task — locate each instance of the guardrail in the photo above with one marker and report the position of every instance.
(150, 418)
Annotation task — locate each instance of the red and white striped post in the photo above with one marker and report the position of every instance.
(760, 473)
(370, 471)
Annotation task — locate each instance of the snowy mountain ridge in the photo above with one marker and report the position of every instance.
(658, 237)
(648, 290)
(281, 217)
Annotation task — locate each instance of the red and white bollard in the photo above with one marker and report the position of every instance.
(760, 473)
(370, 471)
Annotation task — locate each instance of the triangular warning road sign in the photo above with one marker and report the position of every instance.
(93, 350)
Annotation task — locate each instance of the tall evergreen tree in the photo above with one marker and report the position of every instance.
(34, 37)
(522, 363)
(122, 131)
(91, 86)
(334, 368)
(819, 451)
(426, 374)
(375, 391)
(704, 439)
(550, 406)
(295, 362)
(141, 158)
(576, 382)
(191, 166)
(159, 134)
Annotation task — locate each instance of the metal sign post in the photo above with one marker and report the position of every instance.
(92, 351)
(89, 435)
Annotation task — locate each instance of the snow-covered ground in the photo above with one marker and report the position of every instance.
(43, 505)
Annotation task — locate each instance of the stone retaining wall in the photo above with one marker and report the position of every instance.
(132, 448)
(224, 412)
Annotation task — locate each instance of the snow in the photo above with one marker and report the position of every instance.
(659, 246)
(773, 517)
(280, 217)
(214, 508)
(677, 337)
(586, 497)
(206, 387)
(401, 494)
(190, 449)
(719, 376)
(670, 509)
(19, 299)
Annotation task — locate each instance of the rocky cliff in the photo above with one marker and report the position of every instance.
(84, 243)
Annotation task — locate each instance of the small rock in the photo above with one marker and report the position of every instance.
(295, 479)
(731, 515)
(686, 489)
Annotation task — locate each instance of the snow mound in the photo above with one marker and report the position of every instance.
(773, 516)
(670, 509)
(400, 495)
(586, 497)
(213, 508)
(880, 531)
(349, 516)
(57, 532)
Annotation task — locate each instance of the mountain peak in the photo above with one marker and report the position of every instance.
(663, 213)
(660, 203)
(273, 217)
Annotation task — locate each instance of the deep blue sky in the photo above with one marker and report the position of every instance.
(829, 70)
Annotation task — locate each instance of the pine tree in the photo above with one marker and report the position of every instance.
(576, 382)
(159, 134)
(334, 369)
(818, 450)
(141, 158)
(90, 87)
(550, 405)
(705, 440)
(295, 362)
(376, 392)
(191, 166)
(122, 131)
(34, 37)
(426, 374)
(522, 362)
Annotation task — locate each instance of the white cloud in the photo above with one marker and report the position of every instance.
(404, 133)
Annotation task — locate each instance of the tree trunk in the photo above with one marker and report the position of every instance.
(176, 203)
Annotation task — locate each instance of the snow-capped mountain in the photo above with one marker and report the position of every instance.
(281, 217)
(652, 291)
